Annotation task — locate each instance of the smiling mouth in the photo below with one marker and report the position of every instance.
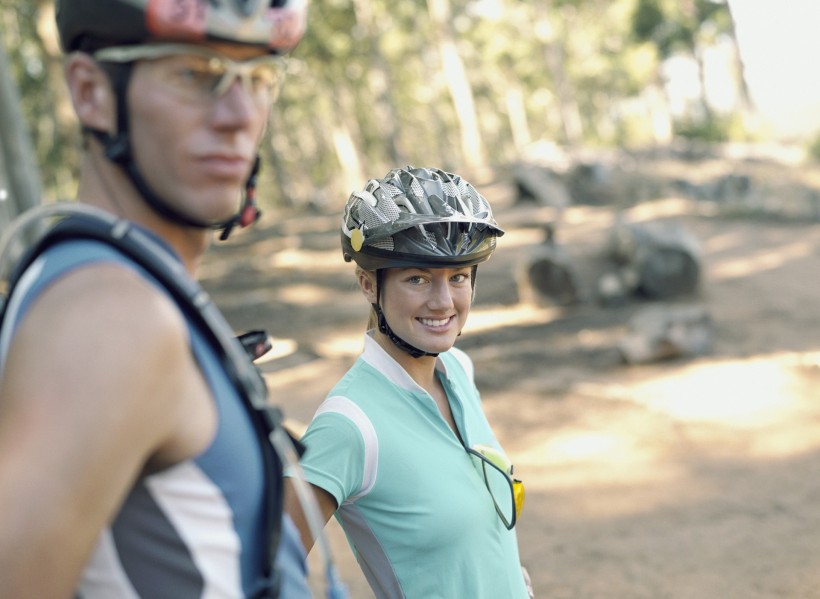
(435, 322)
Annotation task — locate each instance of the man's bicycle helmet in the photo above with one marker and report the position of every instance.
(277, 25)
(88, 25)
(418, 217)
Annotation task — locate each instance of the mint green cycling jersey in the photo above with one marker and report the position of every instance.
(415, 510)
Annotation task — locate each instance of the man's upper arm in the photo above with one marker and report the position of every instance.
(86, 398)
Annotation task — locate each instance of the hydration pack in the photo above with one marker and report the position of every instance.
(235, 352)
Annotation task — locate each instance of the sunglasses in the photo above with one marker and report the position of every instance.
(199, 74)
(506, 492)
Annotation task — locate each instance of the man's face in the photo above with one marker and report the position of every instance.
(195, 146)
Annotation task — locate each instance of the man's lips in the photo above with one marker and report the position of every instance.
(226, 166)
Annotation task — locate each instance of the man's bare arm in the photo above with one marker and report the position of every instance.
(96, 385)
(327, 505)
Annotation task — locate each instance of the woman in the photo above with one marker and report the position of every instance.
(400, 450)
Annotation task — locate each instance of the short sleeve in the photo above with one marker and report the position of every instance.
(334, 455)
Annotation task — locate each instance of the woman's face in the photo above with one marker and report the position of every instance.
(427, 307)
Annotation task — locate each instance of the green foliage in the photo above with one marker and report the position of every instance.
(647, 20)
(814, 147)
(35, 71)
(368, 80)
(677, 26)
(714, 129)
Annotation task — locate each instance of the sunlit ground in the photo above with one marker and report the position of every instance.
(632, 434)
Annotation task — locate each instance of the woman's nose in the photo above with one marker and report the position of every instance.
(441, 296)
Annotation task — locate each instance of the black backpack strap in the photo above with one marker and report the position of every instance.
(146, 252)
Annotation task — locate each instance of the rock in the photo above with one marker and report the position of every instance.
(549, 274)
(666, 332)
(539, 185)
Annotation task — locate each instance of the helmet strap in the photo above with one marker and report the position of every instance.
(385, 329)
(250, 212)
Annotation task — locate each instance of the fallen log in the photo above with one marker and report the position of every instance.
(663, 259)
(549, 274)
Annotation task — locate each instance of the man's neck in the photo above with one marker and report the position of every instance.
(105, 186)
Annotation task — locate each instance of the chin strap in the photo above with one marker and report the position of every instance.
(385, 329)
(250, 212)
(118, 150)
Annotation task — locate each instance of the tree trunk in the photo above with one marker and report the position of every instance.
(745, 104)
(380, 83)
(571, 126)
(517, 114)
(18, 158)
(697, 53)
(472, 146)
(347, 149)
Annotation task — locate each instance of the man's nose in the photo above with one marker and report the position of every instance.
(236, 105)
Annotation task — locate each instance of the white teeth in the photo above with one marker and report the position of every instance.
(434, 323)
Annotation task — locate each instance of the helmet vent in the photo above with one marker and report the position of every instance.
(476, 204)
(384, 244)
(371, 220)
(392, 190)
(417, 189)
(390, 210)
(450, 189)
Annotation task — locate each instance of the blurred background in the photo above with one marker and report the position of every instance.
(645, 337)
(472, 85)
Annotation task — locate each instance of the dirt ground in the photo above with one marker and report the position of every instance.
(692, 478)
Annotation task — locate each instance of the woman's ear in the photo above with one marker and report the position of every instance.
(91, 92)
(367, 283)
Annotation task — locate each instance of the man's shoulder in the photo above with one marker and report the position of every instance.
(91, 280)
(99, 316)
(114, 289)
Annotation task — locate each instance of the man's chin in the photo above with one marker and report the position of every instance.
(218, 210)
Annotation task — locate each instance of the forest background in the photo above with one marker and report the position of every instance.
(467, 85)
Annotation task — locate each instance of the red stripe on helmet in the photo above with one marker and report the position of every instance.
(287, 27)
(184, 19)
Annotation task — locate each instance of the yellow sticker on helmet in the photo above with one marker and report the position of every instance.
(356, 239)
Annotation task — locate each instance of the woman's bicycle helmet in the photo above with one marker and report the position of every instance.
(417, 217)
(88, 25)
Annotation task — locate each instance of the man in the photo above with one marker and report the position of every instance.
(129, 466)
